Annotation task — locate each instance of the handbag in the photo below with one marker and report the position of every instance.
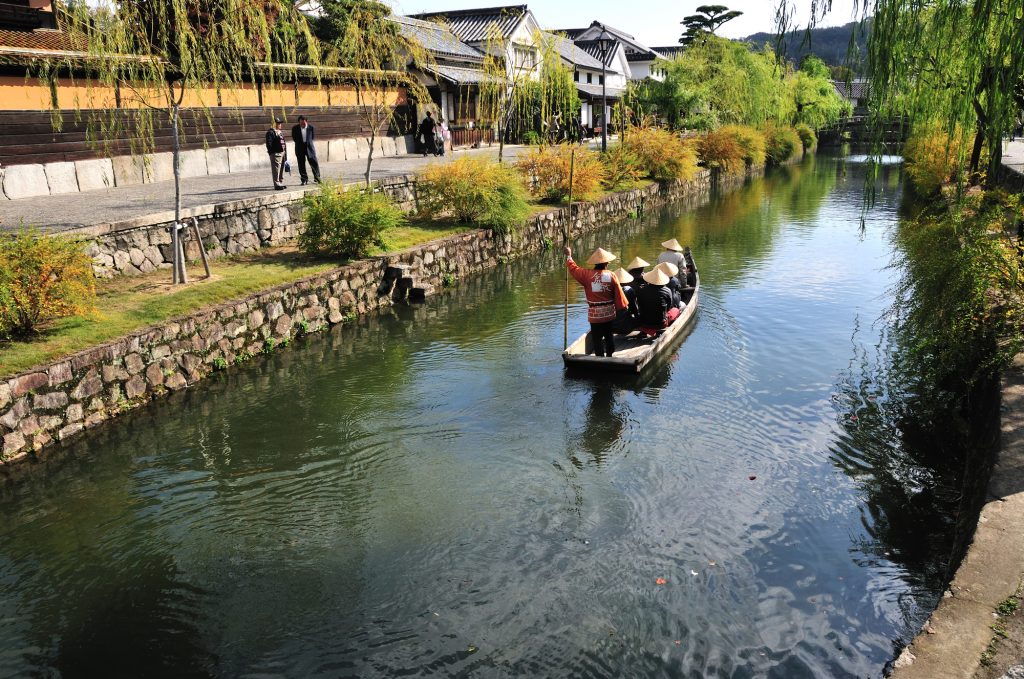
(287, 167)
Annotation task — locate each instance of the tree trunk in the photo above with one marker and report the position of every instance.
(369, 157)
(176, 265)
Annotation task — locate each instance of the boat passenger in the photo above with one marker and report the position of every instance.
(655, 300)
(626, 319)
(636, 270)
(674, 284)
(673, 253)
(604, 297)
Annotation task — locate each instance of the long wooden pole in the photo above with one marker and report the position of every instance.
(568, 227)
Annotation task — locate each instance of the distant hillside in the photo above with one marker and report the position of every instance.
(831, 45)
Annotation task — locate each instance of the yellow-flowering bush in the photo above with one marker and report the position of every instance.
(721, 150)
(751, 141)
(933, 157)
(663, 155)
(546, 171)
(346, 223)
(42, 278)
(475, 190)
(621, 165)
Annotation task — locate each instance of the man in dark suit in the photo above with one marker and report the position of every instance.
(304, 135)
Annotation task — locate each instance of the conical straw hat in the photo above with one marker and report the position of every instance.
(623, 276)
(656, 277)
(669, 268)
(637, 263)
(601, 256)
(672, 245)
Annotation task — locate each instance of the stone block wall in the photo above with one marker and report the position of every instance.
(57, 401)
(144, 244)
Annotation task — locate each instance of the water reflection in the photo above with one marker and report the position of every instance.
(427, 492)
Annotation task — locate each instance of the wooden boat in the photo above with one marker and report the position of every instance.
(635, 351)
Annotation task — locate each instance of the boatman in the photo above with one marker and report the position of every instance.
(604, 297)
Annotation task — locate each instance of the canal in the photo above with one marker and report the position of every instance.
(426, 492)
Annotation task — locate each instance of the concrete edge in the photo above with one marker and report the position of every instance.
(953, 639)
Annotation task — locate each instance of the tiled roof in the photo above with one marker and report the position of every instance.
(635, 51)
(593, 48)
(670, 51)
(572, 53)
(594, 91)
(459, 75)
(571, 33)
(436, 38)
(51, 41)
(473, 25)
(856, 89)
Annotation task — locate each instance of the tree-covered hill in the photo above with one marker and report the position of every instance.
(831, 45)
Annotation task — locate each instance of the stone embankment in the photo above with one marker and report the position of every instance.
(57, 401)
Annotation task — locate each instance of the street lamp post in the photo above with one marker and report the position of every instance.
(605, 41)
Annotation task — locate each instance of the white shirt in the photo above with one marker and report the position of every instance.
(673, 257)
(304, 133)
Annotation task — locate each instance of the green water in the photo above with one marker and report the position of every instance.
(427, 492)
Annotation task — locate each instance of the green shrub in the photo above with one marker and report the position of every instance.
(751, 141)
(782, 143)
(721, 151)
(546, 170)
(473, 190)
(807, 136)
(346, 223)
(42, 278)
(621, 165)
(662, 155)
(531, 138)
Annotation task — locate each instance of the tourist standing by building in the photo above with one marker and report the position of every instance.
(427, 135)
(278, 152)
(304, 136)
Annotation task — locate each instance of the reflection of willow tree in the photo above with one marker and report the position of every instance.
(743, 225)
(907, 453)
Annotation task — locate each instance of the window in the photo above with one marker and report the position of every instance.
(525, 59)
(590, 78)
(600, 80)
(576, 76)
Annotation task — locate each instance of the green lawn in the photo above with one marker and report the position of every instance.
(128, 303)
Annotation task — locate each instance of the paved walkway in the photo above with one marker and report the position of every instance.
(1013, 156)
(62, 212)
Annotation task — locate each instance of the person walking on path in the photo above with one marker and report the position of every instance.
(304, 136)
(427, 134)
(443, 135)
(278, 151)
(604, 297)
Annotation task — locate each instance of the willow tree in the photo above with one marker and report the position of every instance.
(815, 100)
(161, 56)
(372, 53)
(719, 81)
(956, 62)
(536, 89)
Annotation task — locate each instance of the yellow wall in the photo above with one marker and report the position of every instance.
(19, 93)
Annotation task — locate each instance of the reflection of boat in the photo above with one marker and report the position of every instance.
(633, 352)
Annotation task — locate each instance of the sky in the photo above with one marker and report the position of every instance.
(652, 22)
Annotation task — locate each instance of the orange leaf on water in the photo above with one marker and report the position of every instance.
(660, 581)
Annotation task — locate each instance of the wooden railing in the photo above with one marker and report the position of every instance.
(463, 136)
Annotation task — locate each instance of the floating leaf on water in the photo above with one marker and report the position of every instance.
(677, 642)
(752, 478)
(660, 581)
(471, 649)
(712, 564)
